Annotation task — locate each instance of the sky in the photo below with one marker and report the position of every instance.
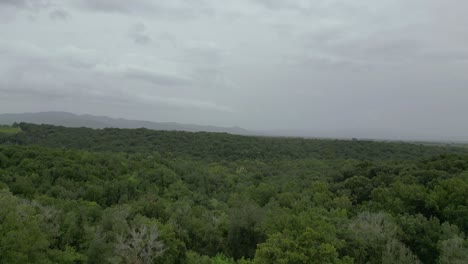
(395, 69)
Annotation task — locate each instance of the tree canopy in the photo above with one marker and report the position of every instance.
(142, 196)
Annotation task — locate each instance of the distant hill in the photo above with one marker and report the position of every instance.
(72, 120)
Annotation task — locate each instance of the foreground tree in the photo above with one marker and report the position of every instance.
(453, 251)
(140, 246)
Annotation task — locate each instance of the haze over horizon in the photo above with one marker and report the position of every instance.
(370, 69)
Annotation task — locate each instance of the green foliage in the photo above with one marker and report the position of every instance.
(453, 251)
(309, 246)
(9, 130)
(217, 146)
(25, 236)
(112, 195)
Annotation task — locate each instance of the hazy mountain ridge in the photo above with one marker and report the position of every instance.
(98, 122)
(67, 119)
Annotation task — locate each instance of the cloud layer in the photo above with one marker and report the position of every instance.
(381, 69)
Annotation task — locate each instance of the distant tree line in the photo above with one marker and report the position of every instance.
(217, 146)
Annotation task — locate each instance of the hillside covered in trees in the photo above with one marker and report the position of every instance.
(79, 195)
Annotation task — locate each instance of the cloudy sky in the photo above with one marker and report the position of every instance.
(364, 68)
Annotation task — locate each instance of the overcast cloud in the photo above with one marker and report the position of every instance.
(375, 69)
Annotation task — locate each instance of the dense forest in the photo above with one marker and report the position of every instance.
(79, 195)
(216, 146)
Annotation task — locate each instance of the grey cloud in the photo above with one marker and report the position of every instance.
(13, 2)
(445, 55)
(33, 71)
(321, 62)
(12, 9)
(180, 9)
(32, 4)
(375, 50)
(138, 34)
(59, 14)
(391, 68)
(141, 39)
(117, 5)
(391, 51)
(203, 52)
(182, 102)
(155, 77)
(383, 47)
(279, 4)
(75, 57)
